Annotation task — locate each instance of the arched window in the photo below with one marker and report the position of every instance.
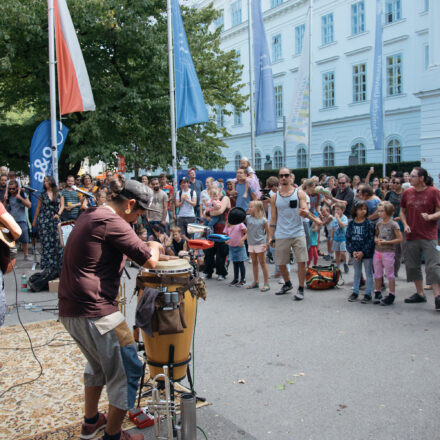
(278, 159)
(358, 149)
(258, 160)
(394, 151)
(237, 159)
(329, 156)
(301, 157)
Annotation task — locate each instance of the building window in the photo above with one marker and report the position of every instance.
(328, 89)
(278, 159)
(258, 161)
(220, 20)
(220, 118)
(276, 48)
(236, 13)
(393, 10)
(394, 75)
(357, 17)
(359, 83)
(301, 157)
(394, 150)
(275, 3)
(238, 56)
(237, 117)
(426, 56)
(358, 150)
(329, 156)
(299, 38)
(237, 159)
(327, 29)
(279, 100)
(425, 5)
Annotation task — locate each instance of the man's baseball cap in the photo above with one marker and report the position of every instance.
(139, 192)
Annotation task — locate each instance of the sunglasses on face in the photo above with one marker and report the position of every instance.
(284, 175)
(342, 183)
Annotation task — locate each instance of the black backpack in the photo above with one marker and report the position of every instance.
(40, 281)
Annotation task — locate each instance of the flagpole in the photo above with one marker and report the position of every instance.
(384, 152)
(251, 83)
(52, 88)
(172, 90)
(309, 153)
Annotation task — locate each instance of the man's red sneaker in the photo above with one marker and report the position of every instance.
(89, 430)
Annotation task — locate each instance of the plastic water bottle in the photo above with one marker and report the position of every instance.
(24, 286)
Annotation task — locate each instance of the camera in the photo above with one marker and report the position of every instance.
(293, 203)
(265, 194)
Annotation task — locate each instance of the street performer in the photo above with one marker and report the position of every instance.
(94, 259)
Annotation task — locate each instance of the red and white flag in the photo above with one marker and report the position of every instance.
(73, 80)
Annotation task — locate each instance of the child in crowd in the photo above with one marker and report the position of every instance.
(101, 197)
(257, 237)
(176, 243)
(313, 249)
(213, 204)
(160, 236)
(237, 251)
(251, 180)
(327, 219)
(388, 235)
(360, 244)
(142, 233)
(339, 224)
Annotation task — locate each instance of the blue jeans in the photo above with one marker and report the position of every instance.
(368, 266)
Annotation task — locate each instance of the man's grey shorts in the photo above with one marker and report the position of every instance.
(112, 359)
(283, 246)
(413, 260)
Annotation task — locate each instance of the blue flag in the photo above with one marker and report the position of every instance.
(190, 106)
(265, 109)
(376, 107)
(41, 155)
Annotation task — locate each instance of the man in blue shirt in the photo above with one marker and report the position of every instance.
(240, 189)
(17, 203)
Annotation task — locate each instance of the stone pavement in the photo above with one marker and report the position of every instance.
(322, 368)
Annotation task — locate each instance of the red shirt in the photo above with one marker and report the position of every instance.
(93, 262)
(415, 203)
(169, 191)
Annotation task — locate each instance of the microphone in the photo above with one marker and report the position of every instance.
(84, 193)
(28, 188)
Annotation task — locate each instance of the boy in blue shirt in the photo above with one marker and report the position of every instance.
(339, 225)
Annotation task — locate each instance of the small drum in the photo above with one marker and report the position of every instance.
(157, 348)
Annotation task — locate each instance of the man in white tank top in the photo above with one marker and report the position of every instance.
(288, 208)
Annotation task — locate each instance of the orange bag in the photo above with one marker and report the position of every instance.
(322, 277)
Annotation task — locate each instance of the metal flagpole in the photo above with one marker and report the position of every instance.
(309, 154)
(251, 83)
(52, 84)
(172, 90)
(384, 151)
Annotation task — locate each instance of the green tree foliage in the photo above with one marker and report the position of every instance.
(124, 43)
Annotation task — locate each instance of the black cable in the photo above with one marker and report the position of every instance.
(47, 343)
(30, 343)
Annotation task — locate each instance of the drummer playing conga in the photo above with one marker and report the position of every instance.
(94, 259)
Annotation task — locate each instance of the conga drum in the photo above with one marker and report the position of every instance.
(157, 348)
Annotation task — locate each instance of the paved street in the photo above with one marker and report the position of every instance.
(323, 368)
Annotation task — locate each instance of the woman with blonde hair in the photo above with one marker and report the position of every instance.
(258, 242)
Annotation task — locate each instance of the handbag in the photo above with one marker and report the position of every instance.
(322, 277)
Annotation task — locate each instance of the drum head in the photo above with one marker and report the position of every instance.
(170, 266)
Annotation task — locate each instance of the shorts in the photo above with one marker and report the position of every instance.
(384, 262)
(413, 260)
(112, 359)
(24, 237)
(339, 246)
(256, 248)
(283, 246)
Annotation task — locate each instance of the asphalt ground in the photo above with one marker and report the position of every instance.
(322, 368)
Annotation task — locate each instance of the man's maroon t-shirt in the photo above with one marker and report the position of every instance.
(415, 203)
(93, 262)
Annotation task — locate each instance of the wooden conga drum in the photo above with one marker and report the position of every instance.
(157, 348)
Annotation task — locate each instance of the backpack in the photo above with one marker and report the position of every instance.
(322, 277)
(40, 281)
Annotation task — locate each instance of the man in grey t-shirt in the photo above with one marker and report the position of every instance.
(186, 200)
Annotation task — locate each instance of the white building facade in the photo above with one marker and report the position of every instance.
(343, 35)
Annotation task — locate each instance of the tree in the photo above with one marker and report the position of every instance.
(124, 43)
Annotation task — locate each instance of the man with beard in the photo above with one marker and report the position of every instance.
(3, 187)
(72, 202)
(159, 203)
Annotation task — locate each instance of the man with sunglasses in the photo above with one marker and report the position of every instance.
(288, 208)
(345, 194)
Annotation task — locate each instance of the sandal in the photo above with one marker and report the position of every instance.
(252, 286)
(265, 288)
